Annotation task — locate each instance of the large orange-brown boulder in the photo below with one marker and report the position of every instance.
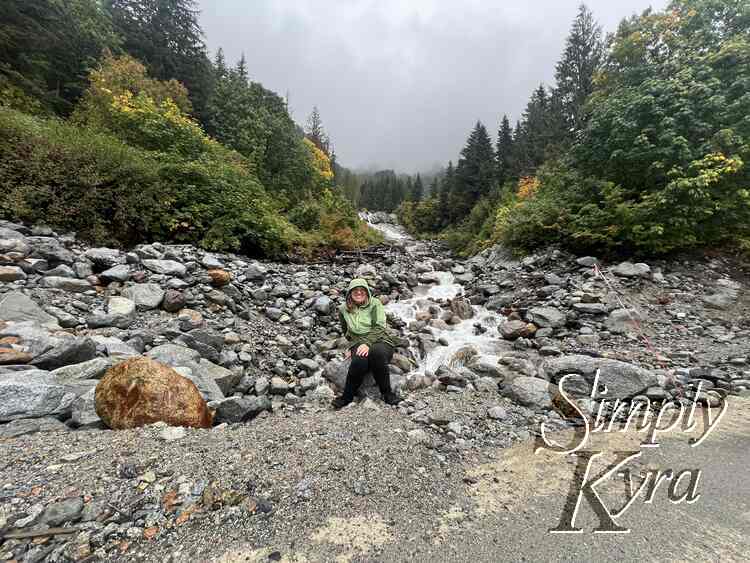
(141, 391)
(219, 278)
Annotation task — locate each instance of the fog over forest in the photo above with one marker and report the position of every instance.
(401, 84)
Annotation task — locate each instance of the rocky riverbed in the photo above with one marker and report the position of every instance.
(483, 344)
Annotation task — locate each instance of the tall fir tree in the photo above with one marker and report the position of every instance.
(417, 189)
(574, 73)
(504, 151)
(475, 173)
(165, 35)
(315, 132)
(446, 186)
(47, 48)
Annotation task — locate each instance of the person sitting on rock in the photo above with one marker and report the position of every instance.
(371, 347)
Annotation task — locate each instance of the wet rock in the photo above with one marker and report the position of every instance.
(462, 308)
(511, 330)
(142, 391)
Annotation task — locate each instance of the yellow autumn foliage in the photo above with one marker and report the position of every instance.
(320, 161)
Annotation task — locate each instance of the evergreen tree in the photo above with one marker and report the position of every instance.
(446, 186)
(47, 48)
(166, 37)
(220, 64)
(315, 132)
(574, 73)
(418, 189)
(475, 173)
(504, 152)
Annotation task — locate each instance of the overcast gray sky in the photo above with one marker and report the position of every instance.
(400, 83)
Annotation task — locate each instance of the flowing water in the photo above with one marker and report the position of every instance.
(479, 333)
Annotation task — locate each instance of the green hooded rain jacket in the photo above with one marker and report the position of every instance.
(366, 324)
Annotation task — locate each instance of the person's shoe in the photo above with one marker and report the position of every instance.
(340, 402)
(391, 398)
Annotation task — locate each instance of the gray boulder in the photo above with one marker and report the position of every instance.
(461, 307)
(121, 306)
(630, 270)
(115, 347)
(239, 409)
(166, 267)
(17, 306)
(174, 355)
(71, 285)
(24, 426)
(10, 274)
(145, 295)
(92, 369)
(621, 380)
(104, 258)
(68, 351)
(224, 378)
(620, 321)
(120, 273)
(530, 392)
(547, 317)
(83, 412)
(206, 386)
(33, 394)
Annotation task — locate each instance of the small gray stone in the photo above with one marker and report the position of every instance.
(497, 413)
(59, 513)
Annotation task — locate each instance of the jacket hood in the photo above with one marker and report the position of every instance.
(359, 282)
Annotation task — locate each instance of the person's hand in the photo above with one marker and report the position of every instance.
(348, 354)
(363, 350)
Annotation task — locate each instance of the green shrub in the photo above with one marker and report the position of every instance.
(76, 179)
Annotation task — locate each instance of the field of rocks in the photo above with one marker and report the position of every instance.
(241, 358)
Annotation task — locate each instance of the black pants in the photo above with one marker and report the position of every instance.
(376, 361)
